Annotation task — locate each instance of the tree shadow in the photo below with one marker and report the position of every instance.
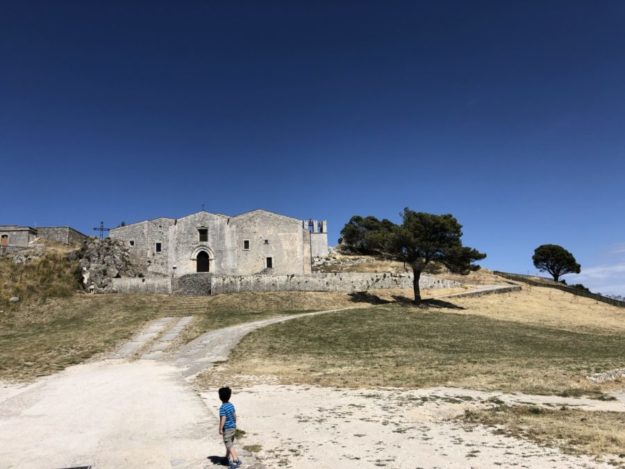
(366, 297)
(219, 460)
(429, 303)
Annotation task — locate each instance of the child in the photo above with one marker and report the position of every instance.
(228, 426)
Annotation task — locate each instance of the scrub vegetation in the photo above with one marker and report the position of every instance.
(574, 431)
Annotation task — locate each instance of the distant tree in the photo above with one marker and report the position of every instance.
(555, 260)
(582, 287)
(122, 223)
(421, 239)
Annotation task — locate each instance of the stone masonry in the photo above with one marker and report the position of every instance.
(256, 242)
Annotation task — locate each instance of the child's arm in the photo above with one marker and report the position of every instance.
(222, 421)
(234, 416)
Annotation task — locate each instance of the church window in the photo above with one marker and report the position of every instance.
(158, 247)
(270, 262)
(203, 234)
(246, 244)
(132, 243)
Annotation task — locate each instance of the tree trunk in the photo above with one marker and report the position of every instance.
(415, 284)
(556, 277)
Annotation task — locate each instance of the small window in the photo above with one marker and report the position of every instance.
(132, 243)
(158, 247)
(246, 244)
(266, 241)
(270, 263)
(203, 234)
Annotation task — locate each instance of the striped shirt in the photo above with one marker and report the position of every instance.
(227, 410)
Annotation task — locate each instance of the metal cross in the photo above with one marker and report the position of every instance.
(101, 229)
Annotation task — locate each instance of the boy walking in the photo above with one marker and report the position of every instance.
(228, 426)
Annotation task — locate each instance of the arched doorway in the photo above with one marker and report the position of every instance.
(202, 261)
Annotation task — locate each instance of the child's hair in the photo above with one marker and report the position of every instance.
(225, 393)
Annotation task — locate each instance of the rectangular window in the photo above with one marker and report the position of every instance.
(266, 241)
(158, 247)
(270, 263)
(203, 234)
(246, 244)
(132, 243)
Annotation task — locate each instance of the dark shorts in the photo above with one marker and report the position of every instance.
(229, 437)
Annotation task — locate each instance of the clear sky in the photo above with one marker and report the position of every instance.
(509, 115)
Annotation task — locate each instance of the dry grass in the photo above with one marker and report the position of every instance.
(574, 431)
(497, 346)
(547, 307)
(52, 276)
(44, 337)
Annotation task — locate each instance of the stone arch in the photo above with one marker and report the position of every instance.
(203, 258)
(4, 240)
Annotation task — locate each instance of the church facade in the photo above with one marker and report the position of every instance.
(251, 243)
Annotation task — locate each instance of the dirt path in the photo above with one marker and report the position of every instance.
(117, 413)
(108, 414)
(304, 427)
(143, 413)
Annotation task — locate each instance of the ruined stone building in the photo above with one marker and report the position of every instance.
(19, 237)
(251, 243)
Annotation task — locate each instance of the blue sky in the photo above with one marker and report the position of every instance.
(509, 115)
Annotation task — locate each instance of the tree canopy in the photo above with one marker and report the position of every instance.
(555, 260)
(420, 239)
(366, 235)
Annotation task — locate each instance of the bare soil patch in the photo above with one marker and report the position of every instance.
(309, 427)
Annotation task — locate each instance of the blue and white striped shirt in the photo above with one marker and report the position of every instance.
(227, 410)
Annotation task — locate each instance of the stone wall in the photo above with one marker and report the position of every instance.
(141, 285)
(18, 237)
(210, 284)
(192, 284)
(61, 234)
(345, 282)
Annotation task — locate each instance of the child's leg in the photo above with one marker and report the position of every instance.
(233, 454)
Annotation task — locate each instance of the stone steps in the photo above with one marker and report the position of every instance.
(154, 339)
(167, 339)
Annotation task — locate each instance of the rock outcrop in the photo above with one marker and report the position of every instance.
(103, 260)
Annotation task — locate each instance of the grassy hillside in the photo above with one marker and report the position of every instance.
(52, 276)
(40, 338)
(537, 341)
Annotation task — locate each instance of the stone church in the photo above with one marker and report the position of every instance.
(251, 243)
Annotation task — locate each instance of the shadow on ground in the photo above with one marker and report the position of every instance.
(367, 297)
(218, 460)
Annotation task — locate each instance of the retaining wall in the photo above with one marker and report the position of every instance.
(210, 284)
(142, 285)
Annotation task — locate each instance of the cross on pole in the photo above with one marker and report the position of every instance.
(101, 229)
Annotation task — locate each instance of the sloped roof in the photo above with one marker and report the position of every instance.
(260, 210)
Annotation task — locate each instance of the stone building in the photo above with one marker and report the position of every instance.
(13, 236)
(19, 237)
(251, 243)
